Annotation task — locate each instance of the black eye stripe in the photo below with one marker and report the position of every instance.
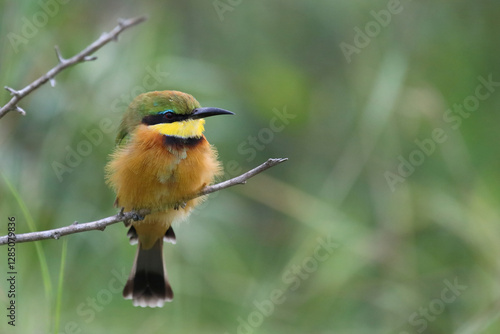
(153, 119)
(164, 117)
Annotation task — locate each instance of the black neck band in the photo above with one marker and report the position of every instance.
(179, 141)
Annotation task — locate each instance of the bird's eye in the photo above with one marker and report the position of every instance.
(168, 114)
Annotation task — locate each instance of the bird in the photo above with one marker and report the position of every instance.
(161, 160)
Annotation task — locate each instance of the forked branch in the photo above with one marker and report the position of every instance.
(83, 56)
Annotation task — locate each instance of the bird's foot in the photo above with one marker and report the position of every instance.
(137, 217)
(180, 205)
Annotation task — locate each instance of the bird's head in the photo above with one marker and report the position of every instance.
(171, 113)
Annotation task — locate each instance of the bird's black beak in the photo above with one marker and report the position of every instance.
(207, 112)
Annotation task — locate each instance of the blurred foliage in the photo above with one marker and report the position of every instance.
(353, 119)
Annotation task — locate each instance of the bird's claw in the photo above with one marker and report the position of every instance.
(180, 205)
(137, 217)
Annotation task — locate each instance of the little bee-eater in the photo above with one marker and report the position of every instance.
(162, 159)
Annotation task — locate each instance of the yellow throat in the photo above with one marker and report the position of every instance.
(186, 129)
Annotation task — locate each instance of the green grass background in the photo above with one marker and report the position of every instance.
(397, 250)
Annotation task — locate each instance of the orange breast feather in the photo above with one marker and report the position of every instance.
(148, 174)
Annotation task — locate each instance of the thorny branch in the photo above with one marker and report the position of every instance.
(83, 56)
(102, 223)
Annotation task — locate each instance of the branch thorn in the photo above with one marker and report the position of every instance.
(20, 110)
(59, 56)
(12, 91)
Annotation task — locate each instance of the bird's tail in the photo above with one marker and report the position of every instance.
(147, 284)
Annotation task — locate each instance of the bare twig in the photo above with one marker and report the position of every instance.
(242, 179)
(121, 216)
(83, 56)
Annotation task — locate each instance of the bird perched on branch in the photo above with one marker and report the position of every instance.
(162, 159)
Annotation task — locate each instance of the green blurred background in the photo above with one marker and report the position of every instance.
(344, 89)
